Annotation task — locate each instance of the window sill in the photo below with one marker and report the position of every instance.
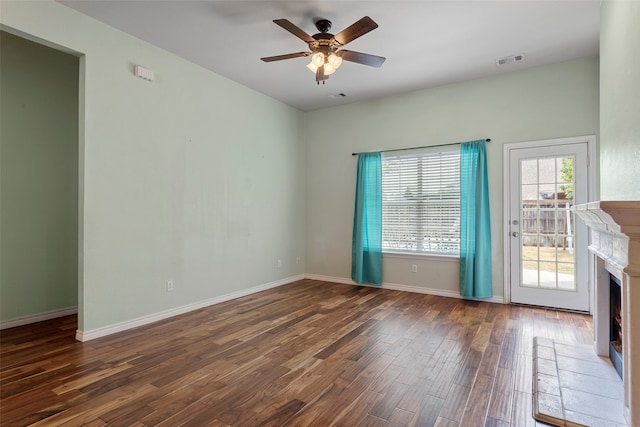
(425, 257)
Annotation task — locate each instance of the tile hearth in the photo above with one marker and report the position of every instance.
(572, 386)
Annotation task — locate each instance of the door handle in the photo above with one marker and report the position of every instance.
(515, 234)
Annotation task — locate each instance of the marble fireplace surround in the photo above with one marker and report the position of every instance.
(615, 241)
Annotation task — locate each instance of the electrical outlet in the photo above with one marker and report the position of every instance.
(170, 286)
(279, 263)
(414, 268)
(297, 260)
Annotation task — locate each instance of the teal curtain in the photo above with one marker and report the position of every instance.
(366, 259)
(475, 224)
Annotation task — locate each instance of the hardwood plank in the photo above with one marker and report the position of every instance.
(370, 364)
(427, 415)
(371, 421)
(492, 422)
(476, 410)
(455, 403)
(84, 410)
(273, 417)
(384, 408)
(332, 399)
(444, 422)
(414, 397)
(522, 410)
(345, 339)
(441, 378)
(470, 368)
(502, 395)
(339, 399)
(178, 400)
(400, 417)
(357, 410)
(490, 358)
(523, 374)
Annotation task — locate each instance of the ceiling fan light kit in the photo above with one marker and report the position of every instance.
(326, 55)
(330, 63)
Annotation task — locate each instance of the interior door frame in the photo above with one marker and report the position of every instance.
(591, 196)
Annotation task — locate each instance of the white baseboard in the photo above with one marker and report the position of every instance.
(35, 318)
(144, 320)
(405, 288)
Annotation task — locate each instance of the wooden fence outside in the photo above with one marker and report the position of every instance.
(546, 223)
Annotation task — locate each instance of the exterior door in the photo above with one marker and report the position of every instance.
(547, 248)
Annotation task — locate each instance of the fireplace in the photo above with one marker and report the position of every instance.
(615, 243)
(615, 323)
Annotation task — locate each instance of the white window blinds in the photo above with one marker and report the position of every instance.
(421, 203)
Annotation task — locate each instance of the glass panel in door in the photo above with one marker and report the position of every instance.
(547, 223)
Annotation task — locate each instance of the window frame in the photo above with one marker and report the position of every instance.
(424, 254)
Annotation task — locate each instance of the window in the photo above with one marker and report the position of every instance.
(421, 203)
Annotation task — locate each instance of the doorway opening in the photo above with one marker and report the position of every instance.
(40, 180)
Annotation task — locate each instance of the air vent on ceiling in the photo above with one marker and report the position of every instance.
(510, 59)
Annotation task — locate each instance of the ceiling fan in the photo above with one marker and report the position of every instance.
(326, 55)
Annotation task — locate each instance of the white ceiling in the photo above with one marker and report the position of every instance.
(427, 43)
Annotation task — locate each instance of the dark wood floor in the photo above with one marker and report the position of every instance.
(305, 354)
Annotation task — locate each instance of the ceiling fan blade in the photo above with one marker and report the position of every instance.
(287, 56)
(361, 58)
(289, 26)
(356, 30)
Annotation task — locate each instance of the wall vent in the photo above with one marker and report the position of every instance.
(510, 59)
(143, 73)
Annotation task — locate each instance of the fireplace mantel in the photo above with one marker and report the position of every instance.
(615, 227)
(615, 240)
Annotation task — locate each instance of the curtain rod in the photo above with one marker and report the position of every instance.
(414, 148)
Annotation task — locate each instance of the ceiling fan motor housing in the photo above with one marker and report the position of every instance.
(324, 41)
(323, 25)
(325, 44)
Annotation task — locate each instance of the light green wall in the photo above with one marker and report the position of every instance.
(620, 100)
(38, 179)
(542, 103)
(197, 179)
(191, 178)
